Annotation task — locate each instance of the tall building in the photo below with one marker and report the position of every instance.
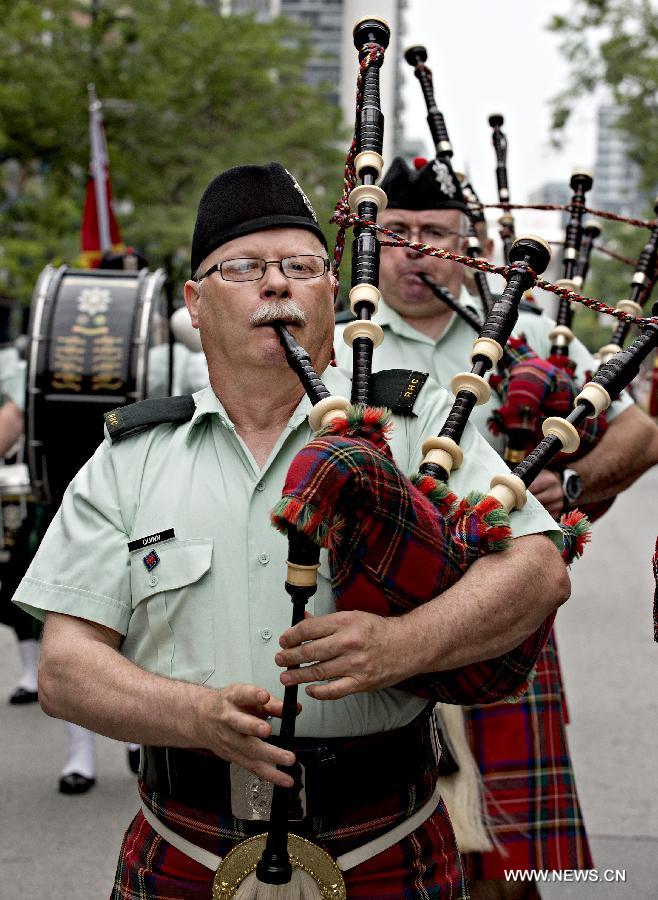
(334, 63)
(616, 177)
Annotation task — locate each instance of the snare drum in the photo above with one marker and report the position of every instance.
(93, 335)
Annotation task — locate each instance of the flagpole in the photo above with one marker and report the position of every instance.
(99, 163)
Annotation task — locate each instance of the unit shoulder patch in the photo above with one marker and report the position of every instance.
(397, 389)
(126, 421)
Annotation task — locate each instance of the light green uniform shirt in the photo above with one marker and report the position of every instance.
(212, 610)
(13, 372)
(405, 347)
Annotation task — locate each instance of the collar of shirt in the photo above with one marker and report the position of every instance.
(389, 318)
(208, 403)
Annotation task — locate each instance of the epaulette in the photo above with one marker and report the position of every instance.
(126, 421)
(525, 306)
(398, 389)
(345, 315)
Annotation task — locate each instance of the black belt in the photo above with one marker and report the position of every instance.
(337, 770)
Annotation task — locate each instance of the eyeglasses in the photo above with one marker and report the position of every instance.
(434, 235)
(253, 269)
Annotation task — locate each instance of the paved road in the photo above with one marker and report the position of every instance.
(64, 848)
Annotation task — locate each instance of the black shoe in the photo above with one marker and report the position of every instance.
(74, 783)
(21, 696)
(133, 761)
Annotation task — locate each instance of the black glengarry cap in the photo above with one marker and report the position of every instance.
(245, 199)
(430, 185)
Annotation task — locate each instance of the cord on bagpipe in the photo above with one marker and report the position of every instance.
(416, 56)
(566, 207)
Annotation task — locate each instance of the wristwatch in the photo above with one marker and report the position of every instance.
(572, 486)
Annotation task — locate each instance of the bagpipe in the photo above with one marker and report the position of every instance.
(531, 388)
(396, 542)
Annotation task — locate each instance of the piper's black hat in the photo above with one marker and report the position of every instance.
(431, 185)
(245, 199)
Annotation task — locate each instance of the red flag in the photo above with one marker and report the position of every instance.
(99, 230)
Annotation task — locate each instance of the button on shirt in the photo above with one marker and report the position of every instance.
(217, 610)
(404, 347)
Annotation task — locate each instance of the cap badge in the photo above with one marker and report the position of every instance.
(307, 202)
(443, 178)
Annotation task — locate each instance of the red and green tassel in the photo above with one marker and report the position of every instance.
(576, 532)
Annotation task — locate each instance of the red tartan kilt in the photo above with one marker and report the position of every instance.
(422, 865)
(530, 792)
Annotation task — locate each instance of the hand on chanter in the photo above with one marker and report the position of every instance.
(233, 724)
(547, 488)
(352, 651)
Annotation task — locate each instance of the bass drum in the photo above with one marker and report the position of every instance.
(98, 339)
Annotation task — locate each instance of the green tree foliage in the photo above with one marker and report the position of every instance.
(186, 92)
(615, 43)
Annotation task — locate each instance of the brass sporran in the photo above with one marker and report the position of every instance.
(315, 875)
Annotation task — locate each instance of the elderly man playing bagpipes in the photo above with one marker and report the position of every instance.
(161, 583)
(521, 750)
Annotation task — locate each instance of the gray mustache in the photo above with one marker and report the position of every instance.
(278, 311)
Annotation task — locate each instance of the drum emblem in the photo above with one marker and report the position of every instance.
(94, 300)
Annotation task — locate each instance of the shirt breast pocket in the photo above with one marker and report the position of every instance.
(174, 602)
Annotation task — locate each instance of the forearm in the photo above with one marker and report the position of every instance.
(88, 682)
(498, 602)
(501, 600)
(628, 448)
(11, 426)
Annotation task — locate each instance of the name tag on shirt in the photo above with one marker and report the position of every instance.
(151, 539)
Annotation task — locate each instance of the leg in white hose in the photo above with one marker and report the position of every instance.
(26, 691)
(79, 772)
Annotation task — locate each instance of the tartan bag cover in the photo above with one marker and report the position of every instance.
(533, 389)
(394, 544)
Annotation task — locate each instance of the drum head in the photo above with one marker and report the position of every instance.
(92, 336)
